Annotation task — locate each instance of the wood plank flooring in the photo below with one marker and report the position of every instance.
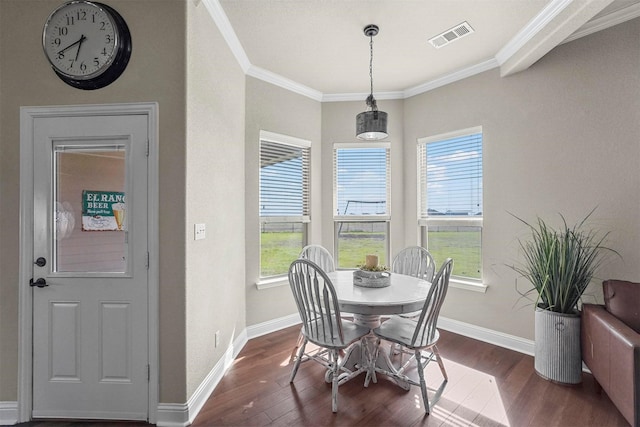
(488, 386)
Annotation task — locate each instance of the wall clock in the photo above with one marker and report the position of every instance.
(87, 43)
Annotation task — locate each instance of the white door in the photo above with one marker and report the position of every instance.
(90, 272)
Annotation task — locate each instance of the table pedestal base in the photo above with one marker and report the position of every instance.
(360, 357)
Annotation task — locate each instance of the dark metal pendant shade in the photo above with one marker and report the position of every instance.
(371, 125)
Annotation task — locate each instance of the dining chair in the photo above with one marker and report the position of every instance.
(322, 325)
(319, 255)
(413, 261)
(420, 336)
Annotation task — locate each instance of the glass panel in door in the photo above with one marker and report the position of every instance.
(90, 215)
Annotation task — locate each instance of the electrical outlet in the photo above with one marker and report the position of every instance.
(199, 231)
(217, 340)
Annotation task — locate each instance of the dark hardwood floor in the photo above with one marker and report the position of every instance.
(488, 386)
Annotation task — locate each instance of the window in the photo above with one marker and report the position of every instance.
(450, 217)
(284, 201)
(361, 188)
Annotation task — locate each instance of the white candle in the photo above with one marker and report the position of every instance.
(372, 261)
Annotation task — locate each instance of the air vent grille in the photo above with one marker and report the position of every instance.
(451, 35)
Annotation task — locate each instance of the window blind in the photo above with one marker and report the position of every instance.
(361, 181)
(284, 181)
(451, 176)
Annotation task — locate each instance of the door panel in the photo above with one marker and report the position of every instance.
(90, 330)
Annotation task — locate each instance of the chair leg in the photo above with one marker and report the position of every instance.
(334, 387)
(423, 384)
(298, 360)
(440, 363)
(295, 349)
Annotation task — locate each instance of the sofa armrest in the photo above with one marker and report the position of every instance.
(611, 350)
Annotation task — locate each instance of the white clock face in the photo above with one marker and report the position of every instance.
(80, 40)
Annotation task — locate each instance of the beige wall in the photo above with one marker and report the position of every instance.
(215, 196)
(561, 137)
(274, 109)
(156, 72)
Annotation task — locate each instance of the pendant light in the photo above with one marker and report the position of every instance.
(371, 125)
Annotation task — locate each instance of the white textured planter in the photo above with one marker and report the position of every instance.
(557, 347)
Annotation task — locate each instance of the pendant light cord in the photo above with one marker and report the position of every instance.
(371, 101)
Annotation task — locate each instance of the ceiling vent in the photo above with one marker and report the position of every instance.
(451, 35)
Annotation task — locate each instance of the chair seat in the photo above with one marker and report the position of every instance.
(351, 332)
(400, 330)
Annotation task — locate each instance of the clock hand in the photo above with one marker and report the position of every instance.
(80, 40)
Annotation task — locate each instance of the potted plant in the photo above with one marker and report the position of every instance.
(559, 263)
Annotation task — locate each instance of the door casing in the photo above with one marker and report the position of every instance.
(25, 313)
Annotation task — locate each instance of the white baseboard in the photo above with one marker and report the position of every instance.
(8, 413)
(490, 336)
(183, 414)
(274, 325)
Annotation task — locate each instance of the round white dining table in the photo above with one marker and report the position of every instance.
(406, 294)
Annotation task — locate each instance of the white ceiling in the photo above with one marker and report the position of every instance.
(319, 47)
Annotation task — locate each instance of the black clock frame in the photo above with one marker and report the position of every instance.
(117, 67)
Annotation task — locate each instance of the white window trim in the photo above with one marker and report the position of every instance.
(337, 219)
(284, 139)
(450, 135)
(272, 282)
(282, 279)
(455, 282)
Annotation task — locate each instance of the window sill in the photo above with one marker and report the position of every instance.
(468, 285)
(454, 283)
(272, 282)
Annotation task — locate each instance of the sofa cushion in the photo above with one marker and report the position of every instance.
(622, 299)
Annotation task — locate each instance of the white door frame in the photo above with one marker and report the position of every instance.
(25, 312)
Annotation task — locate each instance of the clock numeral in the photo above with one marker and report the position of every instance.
(71, 20)
(56, 41)
(103, 25)
(107, 39)
(62, 31)
(104, 51)
(60, 56)
(96, 62)
(72, 61)
(82, 15)
(83, 66)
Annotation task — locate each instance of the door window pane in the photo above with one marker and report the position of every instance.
(89, 219)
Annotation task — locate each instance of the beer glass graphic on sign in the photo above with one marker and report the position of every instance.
(118, 212)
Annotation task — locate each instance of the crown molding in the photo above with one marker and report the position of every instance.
(224, 25)
(538, 23)
(458, 75)
(283, 82)
(606, 21)
(341, 97)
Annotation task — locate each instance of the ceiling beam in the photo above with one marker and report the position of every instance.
(561, 19)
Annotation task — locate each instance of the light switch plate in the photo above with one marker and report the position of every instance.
(199, 231)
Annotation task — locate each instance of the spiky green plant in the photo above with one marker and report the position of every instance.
(560, 263)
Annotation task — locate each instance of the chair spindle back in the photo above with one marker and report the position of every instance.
(427, 322)
(317, 302)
